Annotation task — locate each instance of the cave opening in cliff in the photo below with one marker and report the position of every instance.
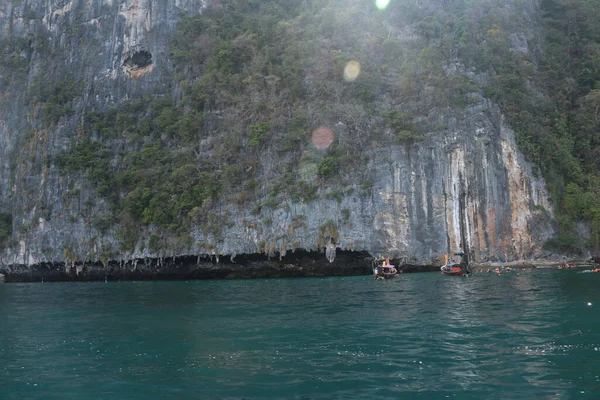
(138, 60)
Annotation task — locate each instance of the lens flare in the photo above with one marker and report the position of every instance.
(322, 137)
(351, 71)
(381, 4)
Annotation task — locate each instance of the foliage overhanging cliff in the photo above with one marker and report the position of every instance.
(216, 150)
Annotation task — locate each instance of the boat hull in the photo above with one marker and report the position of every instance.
(454, 270)
(385, 272)
(384, 276)
(459, 273)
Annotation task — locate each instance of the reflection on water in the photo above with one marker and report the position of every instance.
(524, 334)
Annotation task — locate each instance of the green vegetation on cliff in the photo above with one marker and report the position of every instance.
(260, 75)
(568, 131)
(552, 102)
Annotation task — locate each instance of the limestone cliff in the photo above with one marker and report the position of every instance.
(465, 185)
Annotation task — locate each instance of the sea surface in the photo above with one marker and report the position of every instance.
(527, 334)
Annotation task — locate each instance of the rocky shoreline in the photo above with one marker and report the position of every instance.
(297, 264)
(248, 266)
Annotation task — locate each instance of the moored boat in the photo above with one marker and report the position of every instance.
(384, 271)
(453, 268)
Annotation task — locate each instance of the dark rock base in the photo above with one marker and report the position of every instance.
(298, 264)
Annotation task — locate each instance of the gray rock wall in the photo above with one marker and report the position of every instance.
(99, 37)
(470, 171)
(466, 185)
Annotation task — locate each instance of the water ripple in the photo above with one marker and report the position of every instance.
(528, 334)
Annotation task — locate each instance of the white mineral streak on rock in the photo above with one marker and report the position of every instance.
(22, 252)
(439, 215)
(330, 252)
(424, 199)
(31, 260)
(453, 190)
(53, 14)
(393, 220)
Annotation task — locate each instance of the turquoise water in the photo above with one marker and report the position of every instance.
(522, 335)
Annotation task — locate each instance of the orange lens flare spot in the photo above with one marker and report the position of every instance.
(322, 137)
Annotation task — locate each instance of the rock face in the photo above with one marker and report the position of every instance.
(119, 50)
(472, 191)
(465, 186)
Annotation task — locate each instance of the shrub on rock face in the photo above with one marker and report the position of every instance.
(404, 130)
(259, 133)
(564, 243)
